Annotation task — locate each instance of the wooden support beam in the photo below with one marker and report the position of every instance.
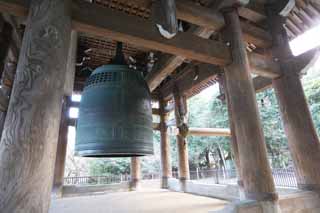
(303, 141)
(182, 145)
(254, 11)
(206, 132)
(260, 84)
(135, 173)
(186, 10)
(207, 18)
(71, 64)
(86, 18)
(256, 173)
(134, 30)
(209, 132)
(260, 65)
(165, 15)
(233, 137)
(168, 63)
(166, 169)
(30, 135)
(264, 66)
(191, 77)
(61, 150)
(304, 61)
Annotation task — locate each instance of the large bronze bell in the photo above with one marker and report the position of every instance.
(115, 116)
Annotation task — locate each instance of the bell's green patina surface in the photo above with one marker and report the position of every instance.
(115, 116)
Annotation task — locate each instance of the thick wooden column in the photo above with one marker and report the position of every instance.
(302, 137)
(181, 123)
(135, 173)
(29, 141)
(61, 149)
(166, 170)
(233, 139)
(256, 173)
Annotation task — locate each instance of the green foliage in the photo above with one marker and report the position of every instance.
(108, 166)
(277, 145)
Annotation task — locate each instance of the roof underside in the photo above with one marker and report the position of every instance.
(94, 52)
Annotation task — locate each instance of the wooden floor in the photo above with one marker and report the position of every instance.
(147, 201)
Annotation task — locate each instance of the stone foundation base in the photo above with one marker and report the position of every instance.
(134, 185)
(251, 207)
(165, 182)
(57, 192)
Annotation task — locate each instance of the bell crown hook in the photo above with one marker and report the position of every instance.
(119, 58)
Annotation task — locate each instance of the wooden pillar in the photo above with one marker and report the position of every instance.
(61, 149)
(166, 170)
(233, 139)
(135, 173)
(29, 141)
(181, 123)
(302, 137)
(256, 173)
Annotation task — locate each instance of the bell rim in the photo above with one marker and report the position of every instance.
(104, 154)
